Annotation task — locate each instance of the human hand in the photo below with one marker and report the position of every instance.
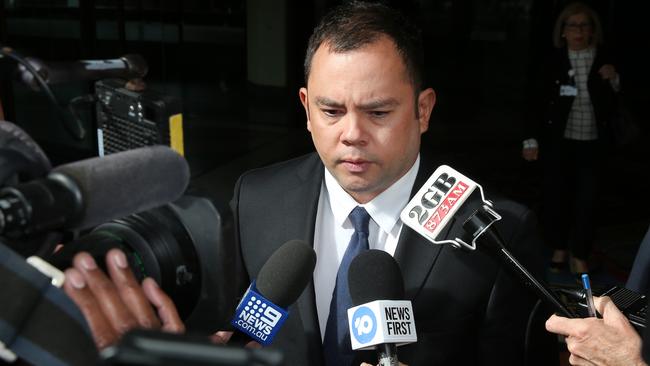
(530, 153)
(607, 72)
(112, 306)
(610, 341)
(223, 337)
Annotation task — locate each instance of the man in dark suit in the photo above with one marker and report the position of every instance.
(366, 110)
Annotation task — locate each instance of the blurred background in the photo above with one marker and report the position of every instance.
(235, 68)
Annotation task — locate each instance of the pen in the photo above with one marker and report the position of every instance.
(588, 295)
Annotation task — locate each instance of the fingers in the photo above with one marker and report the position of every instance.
(115, 305)
(558, 325)
(171, 321)
(221, 337)
(607, 71)
(608, 309)
(76, 288)
(130, 291)
(579, 361)
(602, 303)
(106, 294)
(253, 345)
(578, 328)
(612, 316)
(530, 154)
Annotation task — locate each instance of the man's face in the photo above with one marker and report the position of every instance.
(361, 113)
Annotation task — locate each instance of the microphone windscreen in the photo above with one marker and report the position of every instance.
(127, 182)
(14, 138)
(286, 273)
(374, 275)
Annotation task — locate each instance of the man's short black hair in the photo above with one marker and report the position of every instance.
(356, 24)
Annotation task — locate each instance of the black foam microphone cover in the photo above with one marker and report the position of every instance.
(127, 182)
(18, 146)
(286, 273)
(374, 275)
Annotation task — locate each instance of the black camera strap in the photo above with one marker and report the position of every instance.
(38, 321)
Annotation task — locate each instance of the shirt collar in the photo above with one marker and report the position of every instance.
(586, 53)
(383, 209)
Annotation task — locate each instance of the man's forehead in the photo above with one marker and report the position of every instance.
(330, 46)
(383, 49)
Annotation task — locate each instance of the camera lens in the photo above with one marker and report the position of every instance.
(157, 244)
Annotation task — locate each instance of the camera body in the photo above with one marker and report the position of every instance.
(128, 119)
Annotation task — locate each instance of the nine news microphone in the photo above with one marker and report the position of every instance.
(126, 67)
(89, 192)
(380, 320)
(264, 307)
(450, 196)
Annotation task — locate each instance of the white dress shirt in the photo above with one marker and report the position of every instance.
(333, 230)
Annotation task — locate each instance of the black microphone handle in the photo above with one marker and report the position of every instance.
(490, 241)
(387, 353)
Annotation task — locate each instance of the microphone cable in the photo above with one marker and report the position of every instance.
(74, 128)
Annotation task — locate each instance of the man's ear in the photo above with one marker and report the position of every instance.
(426, 101)
(304, 99)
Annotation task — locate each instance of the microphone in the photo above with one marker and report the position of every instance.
(20, 154)
(449, 194)
(127, 67)
(89, 192)
(380, 320)
(263, 308)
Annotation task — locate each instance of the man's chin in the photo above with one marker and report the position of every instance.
(361, 190)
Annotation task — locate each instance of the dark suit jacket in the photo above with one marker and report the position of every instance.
(549, 112)
(467, 312)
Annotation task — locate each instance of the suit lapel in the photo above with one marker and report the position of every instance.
(415, 254)
(301, 205)
(415, 257)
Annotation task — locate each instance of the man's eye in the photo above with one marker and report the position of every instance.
(332, 112)
(378, 114)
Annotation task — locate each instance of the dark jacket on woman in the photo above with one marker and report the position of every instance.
(549, 110)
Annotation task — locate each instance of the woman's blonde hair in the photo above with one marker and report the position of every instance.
(573, 9)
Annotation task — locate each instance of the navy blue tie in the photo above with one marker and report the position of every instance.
(336, 344)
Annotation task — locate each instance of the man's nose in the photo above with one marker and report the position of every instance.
(354, 130)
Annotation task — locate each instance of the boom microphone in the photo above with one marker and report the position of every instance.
(89, 192)
(126, 67)
(380, 319)
(263, 308)
(449, 194)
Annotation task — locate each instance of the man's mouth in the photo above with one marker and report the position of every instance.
(355, 165)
